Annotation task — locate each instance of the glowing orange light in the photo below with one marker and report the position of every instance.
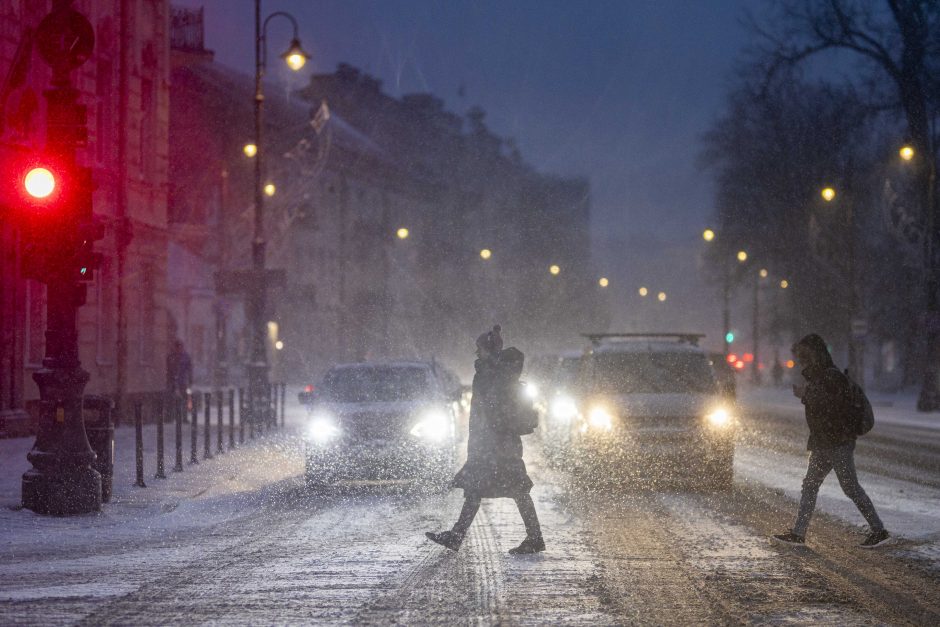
(739, 365)
(748, 357)
(790, 363)
(732, 358)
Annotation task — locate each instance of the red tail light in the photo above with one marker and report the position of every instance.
(308, 388)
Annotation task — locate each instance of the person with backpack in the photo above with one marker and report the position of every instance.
(837, 412)
(494, 469)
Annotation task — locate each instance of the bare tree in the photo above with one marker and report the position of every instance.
(899, 44)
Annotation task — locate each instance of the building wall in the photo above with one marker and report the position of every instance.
(139, 200)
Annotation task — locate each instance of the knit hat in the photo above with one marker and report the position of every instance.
(491, 341)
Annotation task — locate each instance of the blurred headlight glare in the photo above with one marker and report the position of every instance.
(433, 427)
(600, 419)
(720, 418)
(564, 408)
(322, 429)
(532, 390)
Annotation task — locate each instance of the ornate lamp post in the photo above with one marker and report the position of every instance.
(260, 278)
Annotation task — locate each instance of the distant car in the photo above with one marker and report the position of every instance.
(649, 406)
(381, 423)
(560, 379)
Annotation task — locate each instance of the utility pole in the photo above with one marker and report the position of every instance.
(59, 253)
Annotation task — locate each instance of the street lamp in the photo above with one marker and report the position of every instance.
(486, 253)
(763, 273)
(643, 291)
(828, 193)
(603, 282)
(661, 297)
(295, 58)
(402, 233)
(250, 150)
(270, 189)
(742, 256)
(708, 235)
(784, 284)
(554, 269)
(907, 152)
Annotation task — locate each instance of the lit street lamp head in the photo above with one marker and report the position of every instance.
(250, 150)
(295, 57)
(907, 152)
(784, 284)
(554, 269)
(643, 291)
(486, 253)
(603, 282)
(403, 233)
(708, 235)
(742, 256)
(661, 297)
(828, 193)
(763, 273)
(270, 189)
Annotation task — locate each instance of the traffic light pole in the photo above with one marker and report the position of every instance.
(62, 481)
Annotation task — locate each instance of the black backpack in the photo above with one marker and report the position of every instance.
(858, 406)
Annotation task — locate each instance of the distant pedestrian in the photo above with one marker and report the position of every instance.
(494, 467)
(179, 373)
(832, 433)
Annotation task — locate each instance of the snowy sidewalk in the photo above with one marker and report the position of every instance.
(213, 491)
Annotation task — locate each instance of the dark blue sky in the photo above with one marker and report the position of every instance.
(617, 91)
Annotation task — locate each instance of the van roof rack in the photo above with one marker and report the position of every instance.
(686, 338)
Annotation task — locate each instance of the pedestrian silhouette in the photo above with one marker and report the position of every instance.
(830, 416)
(494, 467)
(179, 375)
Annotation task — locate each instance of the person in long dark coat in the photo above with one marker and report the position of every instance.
(494, 467)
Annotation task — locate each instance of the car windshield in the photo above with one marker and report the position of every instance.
(376, 384)
(652, 373)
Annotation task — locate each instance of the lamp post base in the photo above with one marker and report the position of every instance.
(66, 492)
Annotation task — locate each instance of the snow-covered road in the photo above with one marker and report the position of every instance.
(238, 540)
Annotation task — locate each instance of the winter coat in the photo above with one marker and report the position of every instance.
(494, 465)
(827, 410)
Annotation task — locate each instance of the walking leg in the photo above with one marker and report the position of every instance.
(844, 465)
(820, 463)
(529, 517)
(471, 505)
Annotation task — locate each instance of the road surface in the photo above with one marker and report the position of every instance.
(666, 555)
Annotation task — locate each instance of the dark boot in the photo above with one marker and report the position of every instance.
(448, 539)
(529, 546)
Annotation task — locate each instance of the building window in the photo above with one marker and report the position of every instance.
(107, 337)
(148, 315)
(35, 340)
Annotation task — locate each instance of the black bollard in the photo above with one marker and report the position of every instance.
(241, 415)
(250, 413)
(178, 409)
(194, 428)
(161, 407)
(207, 436)
(231, 419)
(283, 402)
(272, 390)
(139, 444)
(220, 427)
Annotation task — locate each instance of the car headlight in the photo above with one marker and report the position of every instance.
(532, 390)
(322, 429)
(719, 418)
(600, 419)
(564, 408)
(433, 427)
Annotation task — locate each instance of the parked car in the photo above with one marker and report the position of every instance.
(381, 423)
(649, 406)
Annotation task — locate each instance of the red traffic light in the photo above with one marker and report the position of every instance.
(39, 182)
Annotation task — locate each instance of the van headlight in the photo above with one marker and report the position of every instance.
(564, 408)
(719, 418)
(433, 427)
(600, 419)
(322, 429)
